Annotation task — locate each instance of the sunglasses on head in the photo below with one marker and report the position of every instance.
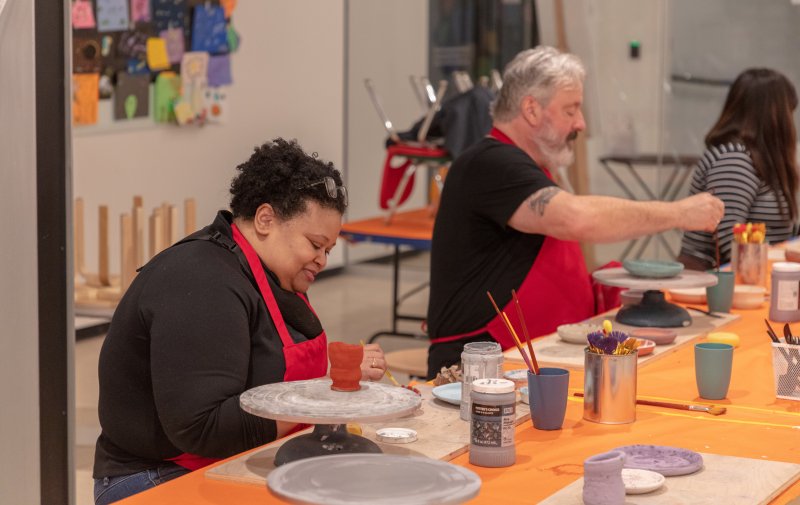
(332, 189)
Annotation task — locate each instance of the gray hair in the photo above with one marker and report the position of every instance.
(538, 72)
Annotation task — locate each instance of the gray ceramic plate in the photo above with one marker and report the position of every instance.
(450, 393)
(374, 479)
(653, 269)
(668, 461)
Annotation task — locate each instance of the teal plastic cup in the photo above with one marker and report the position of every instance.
(720, 297)
(712, 369)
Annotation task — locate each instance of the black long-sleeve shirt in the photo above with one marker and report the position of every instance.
(189, 336)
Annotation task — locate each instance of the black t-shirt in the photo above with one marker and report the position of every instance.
(474, 250)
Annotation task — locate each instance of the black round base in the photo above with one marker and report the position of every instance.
(325, 440)
(654, 311)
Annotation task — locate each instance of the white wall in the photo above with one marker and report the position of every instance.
(19, 373)
(288, 82)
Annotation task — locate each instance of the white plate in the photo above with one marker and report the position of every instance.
(576, 333)
(688, 295)
(641, 481)
(450, 393)
(361, 479)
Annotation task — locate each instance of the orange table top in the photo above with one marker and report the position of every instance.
(756, 425)
(413, 227)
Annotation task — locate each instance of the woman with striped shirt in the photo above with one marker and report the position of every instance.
(749, 164)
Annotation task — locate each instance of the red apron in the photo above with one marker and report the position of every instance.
(556, 290)
(303, 360)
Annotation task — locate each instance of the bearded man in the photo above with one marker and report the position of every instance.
(504, 224)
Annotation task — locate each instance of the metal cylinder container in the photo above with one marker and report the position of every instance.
(609, 387)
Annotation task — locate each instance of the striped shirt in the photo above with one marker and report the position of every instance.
(728, 172)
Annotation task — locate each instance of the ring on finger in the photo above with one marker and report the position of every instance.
(373, 363)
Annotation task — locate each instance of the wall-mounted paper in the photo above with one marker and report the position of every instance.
(209, 32)
(112, 15)
(86, 56)
(175, 44)
(82, 15)
(228, 6)
(194, 79)
(216, 105)
(166, 92)
(84, 98)
(131, 96)
(157, 58)
(133, 44)
(140, 10)
(168, 14)
(219, 70)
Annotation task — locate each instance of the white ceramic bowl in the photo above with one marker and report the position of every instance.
(746, 296)
(519, 376)
(688, 295)
(576, 333)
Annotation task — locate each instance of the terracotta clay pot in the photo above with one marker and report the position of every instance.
(602, 479)
(345, 366)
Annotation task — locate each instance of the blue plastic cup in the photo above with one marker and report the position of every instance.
(547, 396)
(712, 369)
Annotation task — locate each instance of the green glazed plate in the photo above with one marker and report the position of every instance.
(653, 269)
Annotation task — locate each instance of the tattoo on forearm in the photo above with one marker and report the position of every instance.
(542, 197)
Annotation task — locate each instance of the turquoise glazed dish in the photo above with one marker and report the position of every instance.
(653, 269)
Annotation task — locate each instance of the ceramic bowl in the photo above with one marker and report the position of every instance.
(661, 336)
(746, 296)
(688, 295)
(645, 346)
(793, 253)
(654, 269)
(518, 376)
(576, 333)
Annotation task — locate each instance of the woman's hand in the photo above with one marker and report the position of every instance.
(373, 366)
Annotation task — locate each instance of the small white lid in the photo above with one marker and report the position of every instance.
(786, 266)
(496, 386)
(396, 435)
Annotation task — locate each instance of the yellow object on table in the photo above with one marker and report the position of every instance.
(724, 337)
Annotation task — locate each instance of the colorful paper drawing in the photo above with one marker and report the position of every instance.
(112, 15)
(219, 70)
(194, 78)
(82, 15)
(133, 44)
(228, 6)
(157, 58)
(183, 113)
(175, 44)
(140, 10)
(84, 98)
(216, 105)
(209, 31)
(137, 67)
(131, 96)
(86, 55)
(166, 93)
(168, 14)
(234, 39)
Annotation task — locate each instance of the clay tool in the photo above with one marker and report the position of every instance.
(387, 372)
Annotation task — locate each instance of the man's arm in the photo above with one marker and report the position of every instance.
(551, 211)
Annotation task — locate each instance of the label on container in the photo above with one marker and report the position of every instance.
(492, 425)
(788, 295)
(471, 372)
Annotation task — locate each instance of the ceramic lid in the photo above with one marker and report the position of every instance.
(493, 386)
(785, 266)
(396, 435)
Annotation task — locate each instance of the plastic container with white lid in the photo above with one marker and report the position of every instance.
(493, 412)
(784, 303)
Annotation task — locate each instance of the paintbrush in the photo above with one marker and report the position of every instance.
(525, 332)
(716, 247)
(511, 332)
(387, 372)
(710, 409)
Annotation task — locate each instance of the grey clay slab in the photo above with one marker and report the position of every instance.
(668, 461)
(373, 479)
(314, 402)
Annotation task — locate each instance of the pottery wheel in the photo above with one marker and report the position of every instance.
(314, 402)
(620, 277)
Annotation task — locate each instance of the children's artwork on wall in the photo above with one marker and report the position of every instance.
(166, 93)
(112, 15)
(82, 15)
(140, 10)
(86, 57)
(219, 71)
(168, 14)
(216, 105)
(174, 39)
(84, 98)
(209, 31)
(131, 45)
(131, 96)
(157, 58)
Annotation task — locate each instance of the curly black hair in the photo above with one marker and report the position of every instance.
(281, 174)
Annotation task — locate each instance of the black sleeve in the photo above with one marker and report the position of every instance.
(200, 323)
